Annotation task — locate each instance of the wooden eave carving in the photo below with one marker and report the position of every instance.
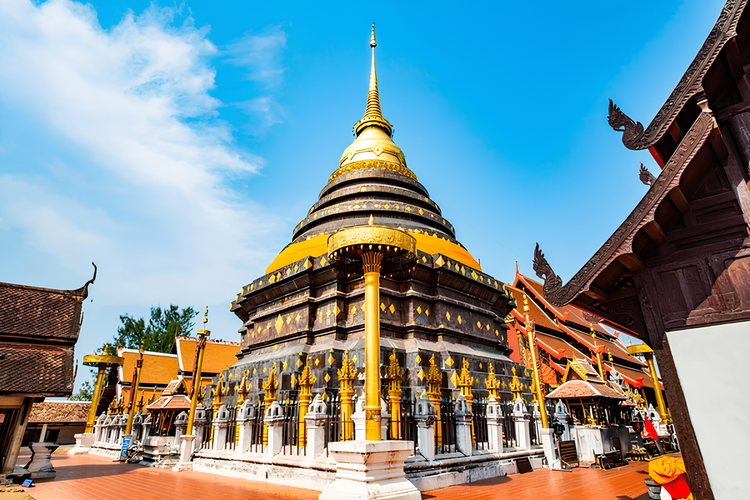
(620, 243)
(634, 136)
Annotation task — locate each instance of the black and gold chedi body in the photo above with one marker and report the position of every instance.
(305, 312)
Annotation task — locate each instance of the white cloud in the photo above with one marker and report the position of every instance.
(129, 163)
(260, 55)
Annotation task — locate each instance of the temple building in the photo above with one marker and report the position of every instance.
(56, 421)
(676, 272)
(39, 328)
(565, 335)
(165, 378)
(304, 312)
(163, 374)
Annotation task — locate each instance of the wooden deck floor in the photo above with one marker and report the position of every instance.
(85, 477)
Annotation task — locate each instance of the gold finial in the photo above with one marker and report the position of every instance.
(371, 222)
(373, 114)
(205, 316)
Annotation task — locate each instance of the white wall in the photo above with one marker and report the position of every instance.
(713, 366)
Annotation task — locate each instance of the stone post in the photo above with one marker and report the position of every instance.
(146, 428)
(220, 423)
(200, 426)
(495, 425)
(315, 420)
(561, 417)
(121, 425)
(180, 424)
(425, 417)
(137, 427)
(99, 428)
(274, 422)
(187, 445)
(385, 417)
(521, 420)
(358, 417)
(464, 419)
(106, 429)
(536, 416)
(245, 418)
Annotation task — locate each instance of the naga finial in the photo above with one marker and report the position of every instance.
(632, 131)
(646, 177)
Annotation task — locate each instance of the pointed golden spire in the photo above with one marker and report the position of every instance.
(373, 114)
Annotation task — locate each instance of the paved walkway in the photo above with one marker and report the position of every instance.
(84, 477)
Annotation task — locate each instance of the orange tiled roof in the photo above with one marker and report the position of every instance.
(158, 368)
(631, 375)
(535, 313)
(179, 402)
(574, 315)
(581, 389)
(219, 355)
(555, 346)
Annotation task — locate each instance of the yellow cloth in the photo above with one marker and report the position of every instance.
(665, 470)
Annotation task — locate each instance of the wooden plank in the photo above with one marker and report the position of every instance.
(654, 230)
(679, 200)
(524, 465)
(568, 452)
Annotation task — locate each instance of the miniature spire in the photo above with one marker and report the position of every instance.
(373, 114)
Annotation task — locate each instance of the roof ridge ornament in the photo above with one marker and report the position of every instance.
(373, 114)
(632, 131)
(552, 282)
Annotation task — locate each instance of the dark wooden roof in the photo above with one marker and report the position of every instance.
(32, 312)
(38, 331)
(691, 83)
(680, 257)
(44, 370)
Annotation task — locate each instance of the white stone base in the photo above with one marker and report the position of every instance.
(40, 465)
(84, 442)
(370, 470)
(186, 454)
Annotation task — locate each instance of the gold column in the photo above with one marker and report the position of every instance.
(649, 355)
(434, 378)
(347, 373)
(531, 330)
(242, 389)
(374, 246)
(270, 386)
(371, 266)
(96, 397)
(395, 375)
(465, 382)
(134, 393)
(101, 361)
(218, 400)
(306, 381)
(657, 389)
(195, 388)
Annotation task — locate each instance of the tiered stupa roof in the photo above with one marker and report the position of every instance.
(372, 179)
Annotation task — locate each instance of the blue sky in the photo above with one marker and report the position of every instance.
(177, 145)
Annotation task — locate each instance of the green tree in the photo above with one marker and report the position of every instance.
(158, 334)
(85, 393)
